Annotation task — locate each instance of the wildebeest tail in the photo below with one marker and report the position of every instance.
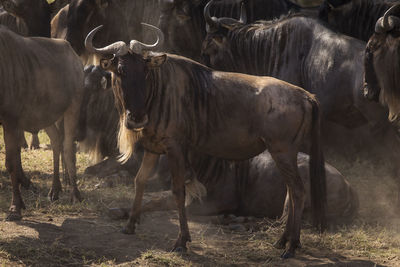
(317, 170)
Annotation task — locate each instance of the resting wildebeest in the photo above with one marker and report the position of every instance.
(355, 18)
(251, 188)
(121, 20)
(32, 79)
(172, 103)
(183, 23)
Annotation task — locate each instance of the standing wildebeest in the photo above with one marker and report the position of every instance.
(28, 18)
(301, 51)
(355, 18)
(183, 23)
(172, 104)
(35, 91)
(382, 65)
(121, 20)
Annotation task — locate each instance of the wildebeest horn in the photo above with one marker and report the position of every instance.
(212, 22)
(229, 21)
(137, 46)
(388, 22)
(243, 14)
(117, 49)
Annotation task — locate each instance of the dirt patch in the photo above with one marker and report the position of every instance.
(62, 234)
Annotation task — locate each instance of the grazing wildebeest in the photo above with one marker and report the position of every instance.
(121, 20)
(172, 103)
(355, 18)
(32, 79)
(183, 23)
(302, 51)
(251, 188)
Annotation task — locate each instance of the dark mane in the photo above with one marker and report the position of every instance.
(175, 103)
(291, 33)
(360, 21)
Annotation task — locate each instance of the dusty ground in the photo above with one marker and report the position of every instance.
(55, 234)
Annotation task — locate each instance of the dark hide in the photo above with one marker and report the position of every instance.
(383, 52)
(183, 23)
(254, 188)
(181, 104)
(355, 18)
(33, 77)
(121, 20)
(36, 15)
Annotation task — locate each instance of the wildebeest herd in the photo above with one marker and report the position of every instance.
(245, 77)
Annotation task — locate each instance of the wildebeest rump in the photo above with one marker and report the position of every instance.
(183, 23)
(251, 188)
(355, 18)
(172, 103)
(33, 79)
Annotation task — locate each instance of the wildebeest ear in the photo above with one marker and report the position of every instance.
(155, 60)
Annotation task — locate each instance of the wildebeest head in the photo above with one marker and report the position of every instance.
(216, 47)
(130, 64)
(382, 63)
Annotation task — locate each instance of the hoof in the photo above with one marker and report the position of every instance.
(53, 195)
(14, 216)
(179, 249)
(128, 231)
(287, 255)
(280, 244)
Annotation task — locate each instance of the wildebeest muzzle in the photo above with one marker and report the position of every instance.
(136, 121)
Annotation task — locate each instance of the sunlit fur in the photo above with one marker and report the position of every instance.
(126, 140)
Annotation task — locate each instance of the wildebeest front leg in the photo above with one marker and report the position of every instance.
(287, 164)
(56, 145)
(13, 164)
(149, 162)
(176, 162)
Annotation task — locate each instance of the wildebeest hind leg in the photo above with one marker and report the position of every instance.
(13, 159)
(56, 145)
(70, 125)
(287, 164)
(146, 168)
(176, 164)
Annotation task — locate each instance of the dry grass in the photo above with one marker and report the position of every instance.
(46, 235)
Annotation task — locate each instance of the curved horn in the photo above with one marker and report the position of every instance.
(212, 22)
(116, 49)
(388, 22)
(243, 14)
(137, 46)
